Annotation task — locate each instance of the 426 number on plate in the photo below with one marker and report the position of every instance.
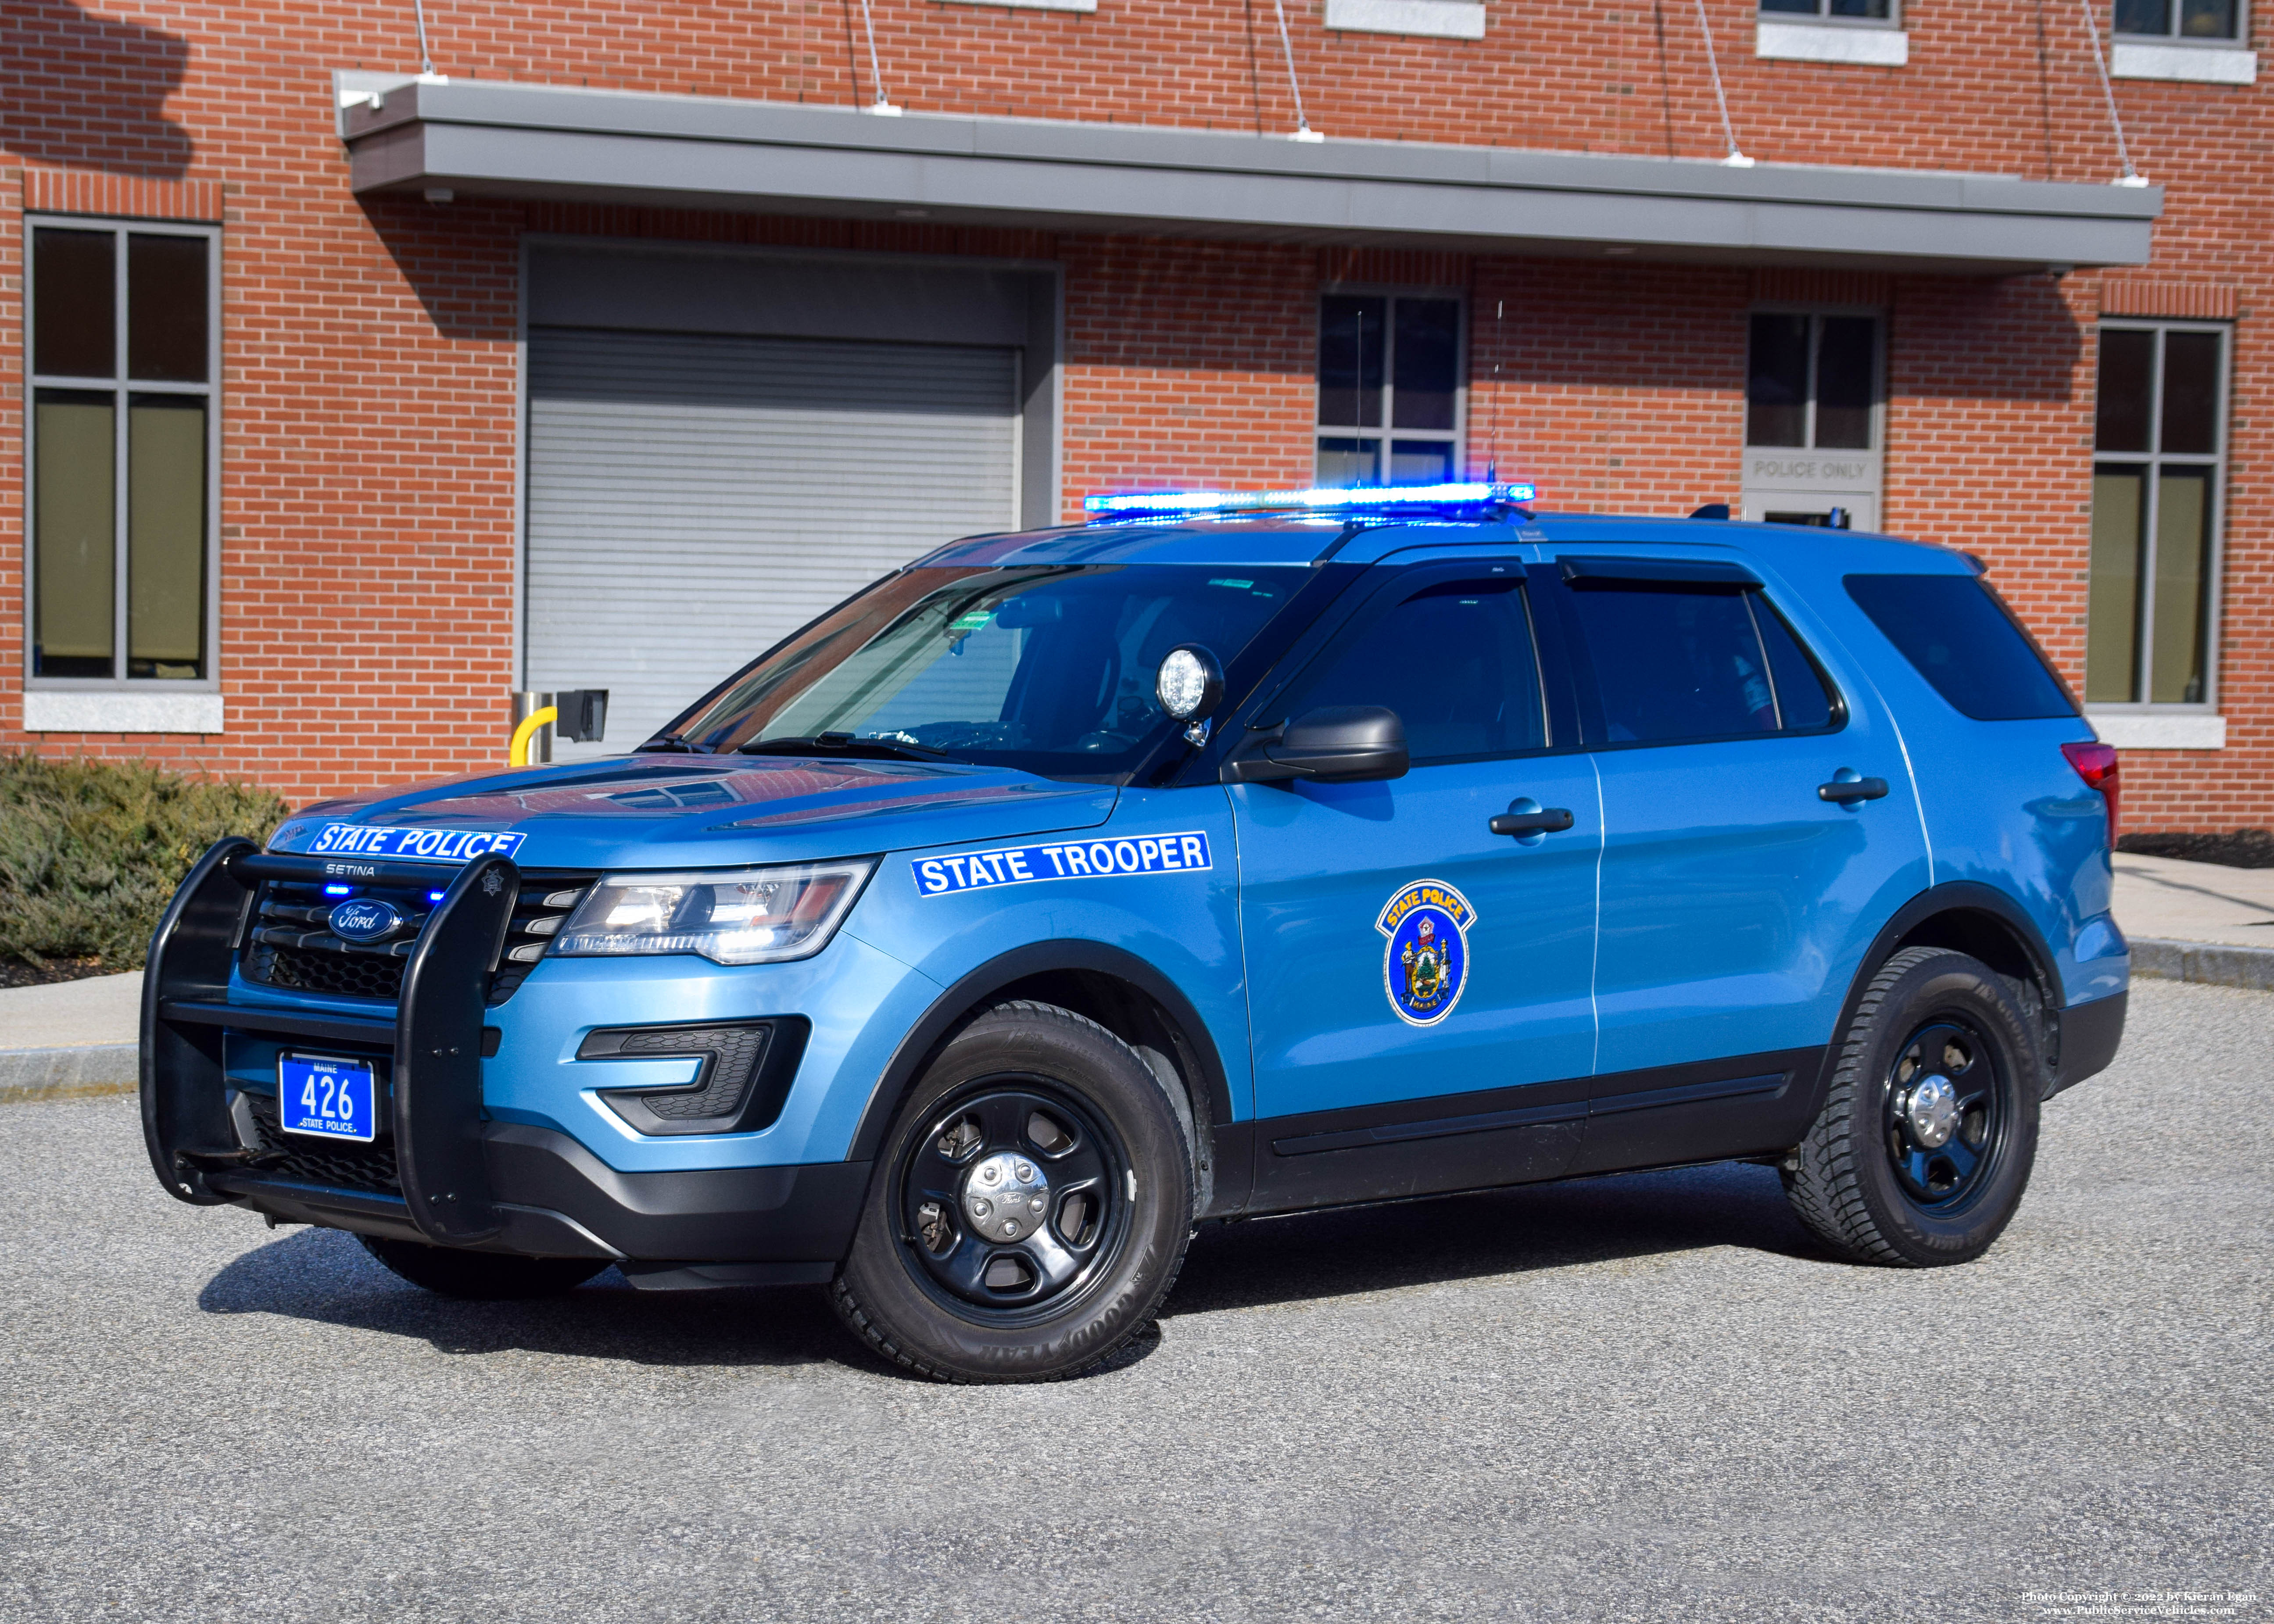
(325, 1098)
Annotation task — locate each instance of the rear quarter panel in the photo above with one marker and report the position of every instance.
(2000, 804)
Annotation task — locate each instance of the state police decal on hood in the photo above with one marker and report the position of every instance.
(1426, 965)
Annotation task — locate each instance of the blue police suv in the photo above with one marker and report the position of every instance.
(1223, 856)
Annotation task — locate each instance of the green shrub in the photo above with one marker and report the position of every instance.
(91, 851)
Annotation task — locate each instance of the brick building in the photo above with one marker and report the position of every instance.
(344, 399)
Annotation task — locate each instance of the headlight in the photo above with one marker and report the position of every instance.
(746, 916)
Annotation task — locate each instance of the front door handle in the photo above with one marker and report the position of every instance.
(1527, 817)
(1840, 792)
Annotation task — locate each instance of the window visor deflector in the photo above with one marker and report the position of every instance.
(1584, 572)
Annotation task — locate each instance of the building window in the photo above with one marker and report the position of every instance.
(2158, 480)
(1835, 10)
(2181, 20)
(124, 349)
(1389, 390)
(1811, 381)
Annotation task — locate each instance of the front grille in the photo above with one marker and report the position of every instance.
(292, 946)
(342, 1164)
(341, 973)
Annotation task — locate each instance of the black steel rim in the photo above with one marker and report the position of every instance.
(1940, 1176)
(1075, 1235)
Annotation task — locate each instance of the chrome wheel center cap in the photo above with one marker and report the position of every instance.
(1006, 1197)
(1931, 1112)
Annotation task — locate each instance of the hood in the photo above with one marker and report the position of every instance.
(682, 811)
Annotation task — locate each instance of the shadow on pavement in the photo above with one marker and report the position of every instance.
(324, 1275)
(1512, 1231)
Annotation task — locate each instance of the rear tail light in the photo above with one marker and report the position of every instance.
(2095, 764)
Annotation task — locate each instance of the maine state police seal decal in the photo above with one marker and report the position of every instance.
(1425, 964)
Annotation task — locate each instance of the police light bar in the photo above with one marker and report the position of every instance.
(1459, 495)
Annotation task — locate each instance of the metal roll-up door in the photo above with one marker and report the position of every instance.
(693, 498)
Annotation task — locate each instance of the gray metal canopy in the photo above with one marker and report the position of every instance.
(707, 151)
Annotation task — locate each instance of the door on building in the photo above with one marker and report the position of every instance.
(1813, 413)
(1737, 897)
(1419, 985)
(694, 498)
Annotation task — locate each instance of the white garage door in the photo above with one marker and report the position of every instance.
(694, 499)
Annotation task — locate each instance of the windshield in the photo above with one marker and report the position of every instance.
(1047, 670)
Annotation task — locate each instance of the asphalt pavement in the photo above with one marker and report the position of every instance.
(1646, 1397)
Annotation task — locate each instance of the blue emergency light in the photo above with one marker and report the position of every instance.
(1474, 494)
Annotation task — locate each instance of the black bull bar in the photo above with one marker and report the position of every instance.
(435, 1037)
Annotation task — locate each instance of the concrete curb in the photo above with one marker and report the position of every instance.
(68, 1073)
(2203, 961)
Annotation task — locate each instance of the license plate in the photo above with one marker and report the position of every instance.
(326, 1099)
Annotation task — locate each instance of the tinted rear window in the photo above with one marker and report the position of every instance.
(1962, 640)
(1677, 661)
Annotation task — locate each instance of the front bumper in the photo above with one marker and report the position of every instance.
(453, 1177)
(555, 1199)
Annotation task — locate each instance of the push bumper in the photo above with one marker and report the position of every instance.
(458, 1179)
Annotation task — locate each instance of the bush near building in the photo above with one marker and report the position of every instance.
(90, 852)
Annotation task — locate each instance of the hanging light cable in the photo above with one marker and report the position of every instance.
(1737, 160)
(426, 58)
(2130, 177)
(878, 105)
(1303, 130)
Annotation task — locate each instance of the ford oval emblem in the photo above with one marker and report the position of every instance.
(364, 920)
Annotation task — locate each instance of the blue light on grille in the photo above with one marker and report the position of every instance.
(434, 896)
(339, 890)
(1457, 495)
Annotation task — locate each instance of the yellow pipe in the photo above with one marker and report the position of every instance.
(517, 754)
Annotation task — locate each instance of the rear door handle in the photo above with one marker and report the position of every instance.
(1520, 819)
(1840, 792)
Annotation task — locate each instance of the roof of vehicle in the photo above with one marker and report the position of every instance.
(1260, 539)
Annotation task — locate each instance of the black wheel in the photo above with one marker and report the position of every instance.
(1030, 1209)
(1928, 1133)
(485, 1277)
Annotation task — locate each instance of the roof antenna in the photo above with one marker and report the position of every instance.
(1492, 426)
(2131, 176)
(1736, 159)
(1303, 130)
(881, 107)
(426, 58)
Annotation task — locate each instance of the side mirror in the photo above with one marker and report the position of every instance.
(1338, 744)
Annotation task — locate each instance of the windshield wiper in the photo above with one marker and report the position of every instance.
(846, 744)
(671, 744)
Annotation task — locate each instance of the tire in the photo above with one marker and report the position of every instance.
(1872, 1180)
(1040, 1122)
(481, 1276)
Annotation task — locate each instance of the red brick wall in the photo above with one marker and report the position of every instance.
(370, 451)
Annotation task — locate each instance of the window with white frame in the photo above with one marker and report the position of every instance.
(1835, 10)
(1389, 388)
(2159, 478)
(124, 452)
(2207, 21)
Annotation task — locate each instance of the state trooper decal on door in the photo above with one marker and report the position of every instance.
(1427, 962)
